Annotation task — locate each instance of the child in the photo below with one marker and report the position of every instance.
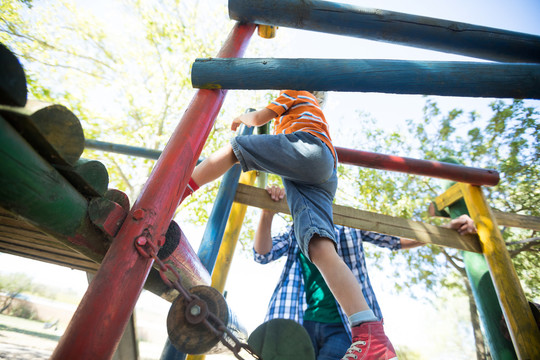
(301, 152)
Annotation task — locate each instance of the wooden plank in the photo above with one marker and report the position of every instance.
(370, 221)
(393, 27)
(51, 258)
(517, 220)
(445, 78)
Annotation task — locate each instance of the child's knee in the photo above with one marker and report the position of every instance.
(321, 248)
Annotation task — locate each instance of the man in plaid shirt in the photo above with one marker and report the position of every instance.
(302, 294)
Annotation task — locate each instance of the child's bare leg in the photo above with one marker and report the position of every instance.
(368, 338)
(210, 169)
(337, 275)
(214, 166)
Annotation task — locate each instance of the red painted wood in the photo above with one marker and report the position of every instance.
(459, 173)
(98, 323)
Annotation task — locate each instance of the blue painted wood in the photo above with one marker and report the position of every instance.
(471, 79)
(215, 228)
(393, 27)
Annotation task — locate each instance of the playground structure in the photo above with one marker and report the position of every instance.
(121, 243)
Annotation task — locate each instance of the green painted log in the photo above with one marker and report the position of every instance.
(89, 177)
(53, 130)
(281, 339)
(13, 89)
(34, 190)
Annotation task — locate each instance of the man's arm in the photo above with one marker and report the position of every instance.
(463, 225)
(263, 235)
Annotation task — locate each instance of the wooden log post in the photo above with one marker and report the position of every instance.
(53, 130)
(393, 27)
(385, 76)
(33, 189)
(13, 89)
(89, 177)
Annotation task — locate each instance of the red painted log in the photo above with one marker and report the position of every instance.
(98, 323)
(441, 170)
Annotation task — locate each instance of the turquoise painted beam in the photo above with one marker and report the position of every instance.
(470, 79)
(398, 28)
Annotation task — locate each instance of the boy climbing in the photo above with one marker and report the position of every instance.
(301, 152)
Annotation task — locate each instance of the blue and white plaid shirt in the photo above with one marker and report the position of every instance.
(289, 298)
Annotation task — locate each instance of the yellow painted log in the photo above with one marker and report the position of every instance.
(450, 196)
(267, 31)
(519, 318)
(228, 245)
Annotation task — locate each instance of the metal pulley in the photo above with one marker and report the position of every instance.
(187, 322)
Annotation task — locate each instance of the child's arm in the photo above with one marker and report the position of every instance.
(254, 118)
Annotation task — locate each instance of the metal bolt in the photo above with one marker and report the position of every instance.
(195, 310)
(138, 214)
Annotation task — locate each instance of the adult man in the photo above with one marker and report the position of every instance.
(313, 304)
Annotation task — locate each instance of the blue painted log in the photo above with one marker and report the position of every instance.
(215, 228)
(393, 27)
(470, 79)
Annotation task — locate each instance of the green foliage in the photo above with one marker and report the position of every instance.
(508, 141)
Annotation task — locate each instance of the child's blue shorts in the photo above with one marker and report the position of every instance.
(308, 170)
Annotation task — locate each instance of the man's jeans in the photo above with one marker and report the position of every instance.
(330, 341)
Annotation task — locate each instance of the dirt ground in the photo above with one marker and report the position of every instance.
(24, 340)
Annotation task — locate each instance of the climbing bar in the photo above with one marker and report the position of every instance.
(385, 76)
(122, 149)
(123, 271)
(393, 27)
(217, 221)
(437, 169)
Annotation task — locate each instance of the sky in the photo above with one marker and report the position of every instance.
(250, 285)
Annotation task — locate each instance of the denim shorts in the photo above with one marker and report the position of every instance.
(307, 168)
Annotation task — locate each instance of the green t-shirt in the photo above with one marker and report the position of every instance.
(321, 304)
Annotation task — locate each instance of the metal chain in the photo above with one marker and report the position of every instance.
(147, 248)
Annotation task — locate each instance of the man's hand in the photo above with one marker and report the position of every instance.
(463, 225)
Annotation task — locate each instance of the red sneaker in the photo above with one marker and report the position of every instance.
(370, 343)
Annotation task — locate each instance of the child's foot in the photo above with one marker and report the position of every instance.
(370, 343)
(190, 189)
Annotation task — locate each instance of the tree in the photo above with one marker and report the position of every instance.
(509, 141)
(13, 285)
(124, 69)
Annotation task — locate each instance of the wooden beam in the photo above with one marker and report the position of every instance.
(454, 193)
(393, 27)
(517, 220)
(369, 221)
(444, 78)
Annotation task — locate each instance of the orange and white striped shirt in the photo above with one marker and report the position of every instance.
(300, 111)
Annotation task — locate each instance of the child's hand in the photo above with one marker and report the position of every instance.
(237, 122)
(276, 193)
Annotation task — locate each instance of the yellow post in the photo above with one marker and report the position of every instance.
(228, 245)
(267, 31)
(521, 324)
